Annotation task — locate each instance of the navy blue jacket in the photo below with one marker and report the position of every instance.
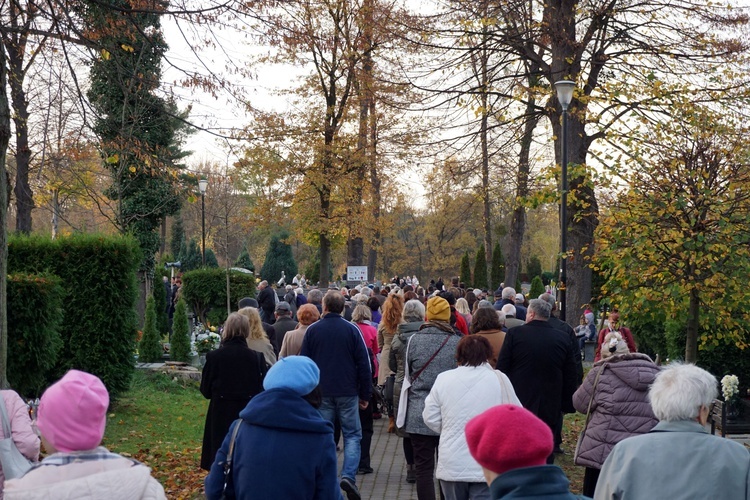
(337, 347)
(539, 482)
(284, 449)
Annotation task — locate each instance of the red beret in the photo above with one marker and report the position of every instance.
(507, 437)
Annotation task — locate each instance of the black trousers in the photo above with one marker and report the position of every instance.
(590, 478)
(365, 418)
(425, 456)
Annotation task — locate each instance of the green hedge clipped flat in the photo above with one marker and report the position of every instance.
(205, 290)
(35, 316)
(98, 274)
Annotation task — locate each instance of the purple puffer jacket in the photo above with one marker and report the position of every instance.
(620, 408)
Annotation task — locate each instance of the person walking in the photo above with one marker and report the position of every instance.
(430, 352)
(457, 396)
(337, 347)
(614, 398)
(233, 374)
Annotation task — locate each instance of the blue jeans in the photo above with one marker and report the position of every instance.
(346, 408)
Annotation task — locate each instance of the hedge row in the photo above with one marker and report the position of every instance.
(35, 316)
(98, 275)
(205, 290)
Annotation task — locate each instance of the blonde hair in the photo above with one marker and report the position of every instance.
(236, 325)
(361, 314)
(256, 326)
(462, 306)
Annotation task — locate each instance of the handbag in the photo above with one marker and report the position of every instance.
(229, 493)
(14, 464)
(588, 417)
(403, 399)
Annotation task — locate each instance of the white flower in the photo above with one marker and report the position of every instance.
(730, 386)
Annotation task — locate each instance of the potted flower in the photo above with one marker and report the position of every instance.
(205, 343)
(730, 389)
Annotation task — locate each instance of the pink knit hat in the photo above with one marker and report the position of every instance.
(508, 437)
(73, 412)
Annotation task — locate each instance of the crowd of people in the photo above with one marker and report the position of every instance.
(475, 388)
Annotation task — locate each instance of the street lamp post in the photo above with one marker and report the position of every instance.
(202, 185)
(564, 96)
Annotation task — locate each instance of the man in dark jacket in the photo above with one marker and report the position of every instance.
(338, 349)
(266, 302)
(539, 361)
(284, 322)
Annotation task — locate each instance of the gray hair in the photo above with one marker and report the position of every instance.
(315, 296)
(509, 293)
(486, 303)
(361, 314)
(413, 311)
(509, 310)
(366, 291)
(360, 298)
(679, 392)
(548, 298)
(540, 308)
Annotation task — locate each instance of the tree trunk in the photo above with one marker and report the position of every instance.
(4, 141)
(163, 242)
(486, 212)
(693, 327)
(22, 189)
(355, 251)
(372, 258)
(518, 223)
(325, 258)
(55, 212)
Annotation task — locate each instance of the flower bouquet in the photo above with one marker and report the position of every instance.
(206, 342)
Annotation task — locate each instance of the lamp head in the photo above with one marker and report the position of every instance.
(565, 92)
(202, 185)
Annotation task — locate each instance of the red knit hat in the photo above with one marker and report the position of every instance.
(507, 437)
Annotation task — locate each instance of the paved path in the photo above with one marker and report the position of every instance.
(388, 482)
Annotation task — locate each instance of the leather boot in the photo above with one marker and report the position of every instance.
(391, 425)
(411, 474)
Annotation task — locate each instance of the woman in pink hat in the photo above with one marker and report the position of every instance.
(71, 419)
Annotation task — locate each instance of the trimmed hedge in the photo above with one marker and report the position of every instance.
(35, 315)
(205, 290)
(98, 274)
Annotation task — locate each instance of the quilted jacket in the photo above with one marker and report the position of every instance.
(620, 408)
(457, 396)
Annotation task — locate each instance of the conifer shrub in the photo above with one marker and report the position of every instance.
(179, 349)
(98, 275)
(35, 315)
(160, 303)
(497, 272)
(150, 349)
(480, 268)
(465, 271)
(537, 287)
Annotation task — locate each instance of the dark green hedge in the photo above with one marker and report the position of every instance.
(205, 290)
(98, 274)
(35, 316)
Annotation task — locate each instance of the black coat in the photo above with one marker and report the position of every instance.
(233, 374)
(563, 326)
(538, 359)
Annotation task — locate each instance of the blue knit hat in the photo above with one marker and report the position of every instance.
(298, 373)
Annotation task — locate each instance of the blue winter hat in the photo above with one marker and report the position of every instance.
(298, 373)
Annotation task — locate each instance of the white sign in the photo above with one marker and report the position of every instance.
(356, 273)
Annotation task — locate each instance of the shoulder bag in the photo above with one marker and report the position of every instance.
(228, 492)
(588, 416)
(14, 464)
(403, 399)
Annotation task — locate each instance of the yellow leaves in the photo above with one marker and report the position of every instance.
(127, 48)
(113, 160)
(132, 169)
(105, 54)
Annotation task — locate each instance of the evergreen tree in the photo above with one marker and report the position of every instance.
(160, 303)
(497, 273)
(465, 273)
(180, 342)
(190, 256)
(533, 268)
(537, 287)
(140, 132)
(518, 285)
(279, 258)
(244, 261)
(211, 260)
(150, 349)
(178, 235)
(480, 268)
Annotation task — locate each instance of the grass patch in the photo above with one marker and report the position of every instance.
(159, 422)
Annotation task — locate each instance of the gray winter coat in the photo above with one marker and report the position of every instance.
(422, 345)
(620, 408)
(398, 348)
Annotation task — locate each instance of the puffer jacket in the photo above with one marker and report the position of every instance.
(620, 408)
(457, 396)
(422, 345)
(23, 434)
